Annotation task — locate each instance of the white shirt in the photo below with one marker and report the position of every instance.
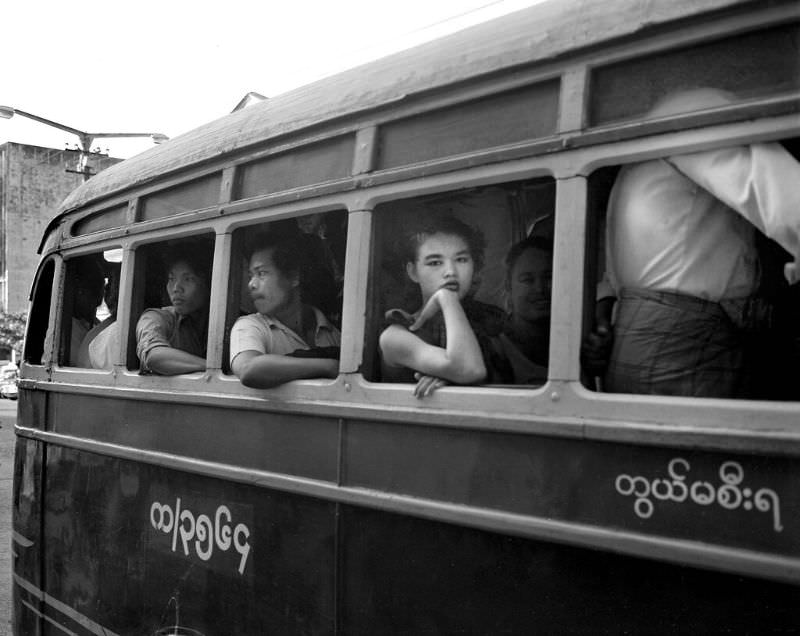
(95, 349)
(686, 223)
(264, 334)
(102, 347)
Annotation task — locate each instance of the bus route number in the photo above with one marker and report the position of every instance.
(201, 533)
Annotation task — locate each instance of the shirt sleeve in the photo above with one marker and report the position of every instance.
(761, 182)
(247, 336)
(152, 331)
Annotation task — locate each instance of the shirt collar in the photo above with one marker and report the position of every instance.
(319, 317)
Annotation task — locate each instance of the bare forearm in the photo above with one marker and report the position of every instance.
(171, 361)
(268, 370)
(463, 351)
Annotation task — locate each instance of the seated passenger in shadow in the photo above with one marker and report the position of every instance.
(96, 350)
(323, 270)
(172, 340)
(445, 339)
(286, 339)
(520, 352)
(89, 283)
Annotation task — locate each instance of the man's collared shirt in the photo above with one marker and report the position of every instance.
(264, 334)
(165, 327)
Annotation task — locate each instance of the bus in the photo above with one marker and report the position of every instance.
(191, 504)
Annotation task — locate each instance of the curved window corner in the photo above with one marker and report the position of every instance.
(39, 318)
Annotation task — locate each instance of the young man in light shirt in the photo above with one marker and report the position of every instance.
(286, 339)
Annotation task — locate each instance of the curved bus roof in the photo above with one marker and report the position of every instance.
(540, 33)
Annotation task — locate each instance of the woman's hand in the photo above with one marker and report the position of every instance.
(427, 384)
(433, 306)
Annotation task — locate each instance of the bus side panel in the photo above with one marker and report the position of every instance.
(288, 443)
(412, 576)
(743, 501)
(26, 541)
(133, 547)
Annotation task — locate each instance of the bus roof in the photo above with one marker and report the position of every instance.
(539, 33)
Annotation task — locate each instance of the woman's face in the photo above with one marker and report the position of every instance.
(443, 260)
(188, 292)
(531, 280)
(271, 290)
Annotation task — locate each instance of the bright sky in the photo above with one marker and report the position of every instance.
(168, 66)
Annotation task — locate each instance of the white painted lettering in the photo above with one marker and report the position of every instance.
(200, 532)
(729, 495)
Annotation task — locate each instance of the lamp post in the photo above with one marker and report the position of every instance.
(86, 139)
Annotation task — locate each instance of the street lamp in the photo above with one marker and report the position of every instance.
(85, 138)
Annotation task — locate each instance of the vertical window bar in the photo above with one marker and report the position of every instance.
(220, 275)
(572, 100)
(357, 260)
(227, 185)
(568, 266)
(124, 304)
(133, 210)
(365, 154)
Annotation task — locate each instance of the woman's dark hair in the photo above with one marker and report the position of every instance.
(519, 248)
(416, 235)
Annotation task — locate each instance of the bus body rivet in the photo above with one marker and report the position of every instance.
(347, 387)
(554, 396)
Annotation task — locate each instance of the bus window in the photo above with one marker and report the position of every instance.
(90, 310)
(194, 195)
(742, 64)
(39, 319)
(691, 298)
(288, 278)
(83, 296)
(507, 230)
(169, 317)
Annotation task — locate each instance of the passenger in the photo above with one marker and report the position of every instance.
(286, 339)
(683, 265)
(323, 271)
(172, 340)
(443, 341)
(521, 351)
(89, 280)
(96, 350)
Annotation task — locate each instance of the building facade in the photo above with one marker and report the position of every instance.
(33, 183)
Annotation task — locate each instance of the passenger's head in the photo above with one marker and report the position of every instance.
(529, 274)
(89, 281)
(188, 280)
(310, 223)
(443, 252)
(274, 271)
